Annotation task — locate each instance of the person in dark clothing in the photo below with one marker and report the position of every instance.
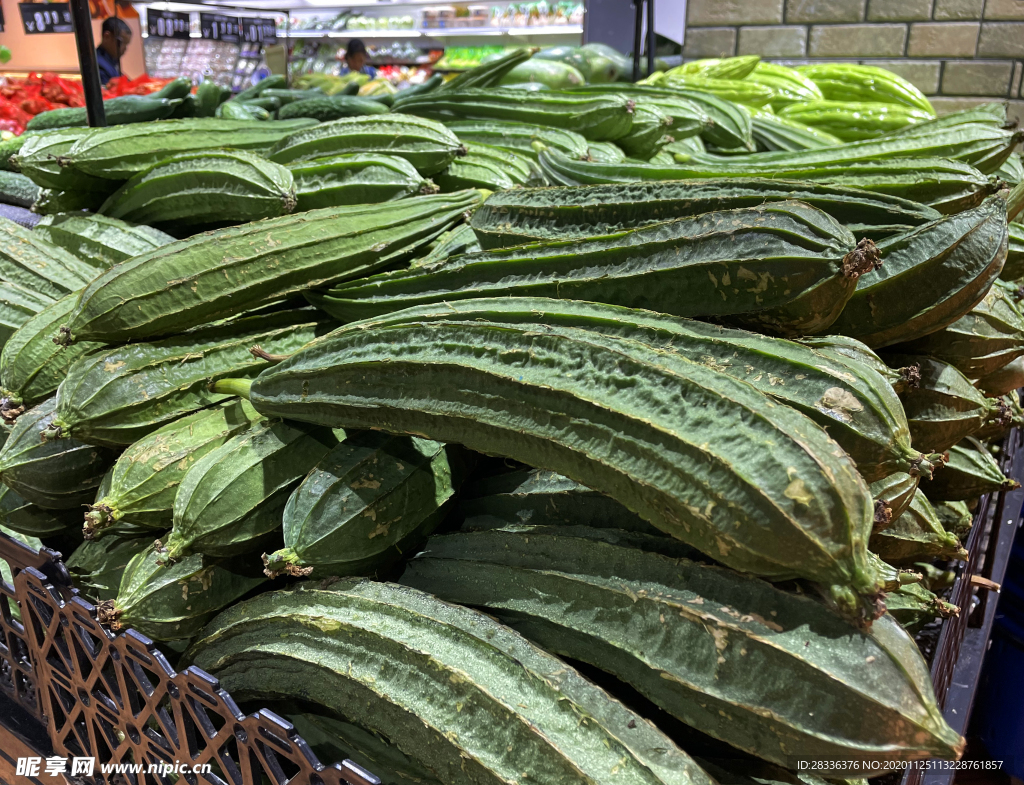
(355, 60)
(116, 37)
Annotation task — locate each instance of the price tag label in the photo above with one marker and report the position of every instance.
(218, 27)
(167, 24)
(256, 30)
(46, 18)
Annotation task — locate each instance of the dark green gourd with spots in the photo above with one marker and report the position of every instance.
(688, 485)
(722, 640)
(784, 267)
(528, 216)
(338, 649)
(145, 479)
(100, 399)
(365, 503)
(212, 276)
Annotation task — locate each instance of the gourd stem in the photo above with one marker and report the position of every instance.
(239, 387)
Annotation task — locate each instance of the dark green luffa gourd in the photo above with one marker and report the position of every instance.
(701, 641)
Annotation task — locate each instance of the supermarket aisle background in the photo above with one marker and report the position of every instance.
(56, 51)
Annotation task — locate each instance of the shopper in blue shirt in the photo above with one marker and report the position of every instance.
(355, 60)
(116, 37)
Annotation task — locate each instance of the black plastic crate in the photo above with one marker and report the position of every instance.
(71, 688)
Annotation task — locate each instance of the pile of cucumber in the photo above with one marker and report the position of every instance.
(616, 433)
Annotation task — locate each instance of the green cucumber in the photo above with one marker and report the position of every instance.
(18, 190)
(930, 277)
(168, 602)
(917, 534)
(721, 265)
(119, 394)
(208, 98)
(119, 153)
(508, 707)
(10, 147)
(144, 480)
(119, 111)
(286, 96)
(231, 500)
(538, 215)
(242, 112)
(176, 88)
(426, 144)
(209, 188)
(271, 104)
(368, 501)
(31, 365)
(358, 178)
(332, 107)
(55, 475)
(100, 240)
(215, 275)
(807, 485)
(272, 82)
(723, 640)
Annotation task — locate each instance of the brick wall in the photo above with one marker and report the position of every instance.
(958, 52)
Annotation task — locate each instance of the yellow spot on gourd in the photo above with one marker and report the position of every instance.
(797, 491)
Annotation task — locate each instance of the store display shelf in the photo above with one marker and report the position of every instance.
(441, 32)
